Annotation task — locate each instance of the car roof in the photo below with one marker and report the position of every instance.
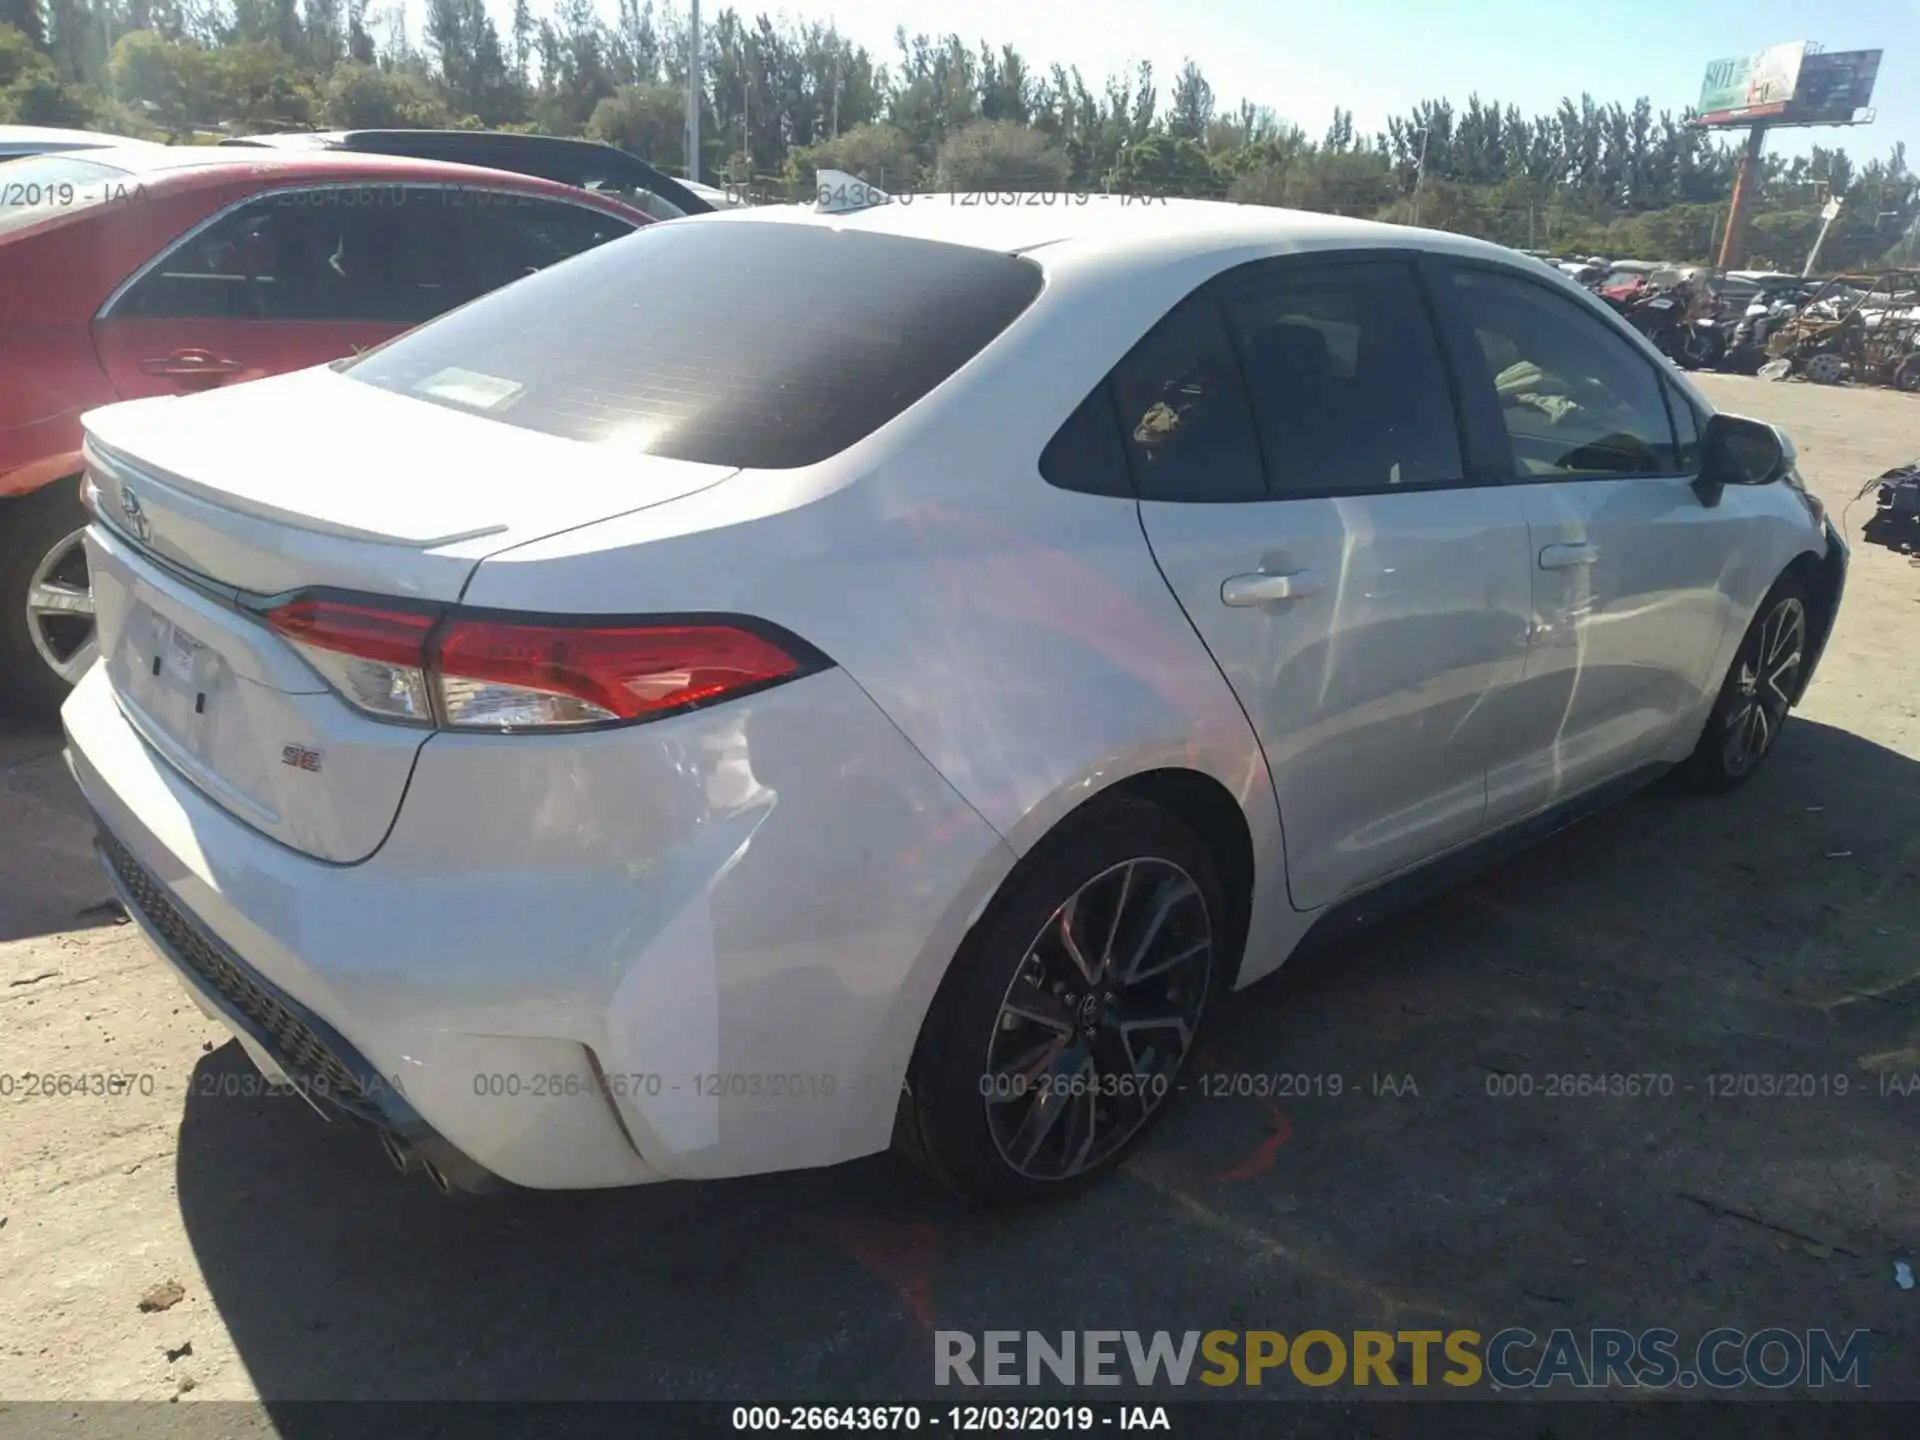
(189, 166)
(44, 139)
(568, 160)
(1090, 225)
(505, 139)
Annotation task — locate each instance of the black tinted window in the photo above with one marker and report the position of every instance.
(1183, 413)
(381, 253)
(1086, 453)
(748, 343)
(509, 242)
(1578, 400)
(1344, 372)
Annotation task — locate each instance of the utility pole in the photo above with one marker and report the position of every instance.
(835, 125)
(1420, 174)
(1828, 214)
(693, 96)
(1733, 243)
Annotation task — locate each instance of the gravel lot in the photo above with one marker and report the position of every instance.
(1772, 932)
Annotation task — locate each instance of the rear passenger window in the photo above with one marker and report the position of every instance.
(1344, 371)
(1086, 454)
(1183, 414)
(376, 252)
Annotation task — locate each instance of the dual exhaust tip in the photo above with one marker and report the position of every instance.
(407, 1162)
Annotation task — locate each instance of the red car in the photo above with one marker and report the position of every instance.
(155, 270)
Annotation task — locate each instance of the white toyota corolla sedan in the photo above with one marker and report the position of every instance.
(790, 683)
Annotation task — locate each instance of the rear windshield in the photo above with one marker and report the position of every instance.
(42, 186)
(769, 345)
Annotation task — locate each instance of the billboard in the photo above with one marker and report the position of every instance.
(1833, 88)
(1751, 87)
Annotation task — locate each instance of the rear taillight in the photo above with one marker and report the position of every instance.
(470, 671)
(375, 658)
(500, 676)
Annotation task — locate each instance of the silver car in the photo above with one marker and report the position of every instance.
(791, 683)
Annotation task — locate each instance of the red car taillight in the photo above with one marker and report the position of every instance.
(374, 657)
(500, 676)
(471, 671)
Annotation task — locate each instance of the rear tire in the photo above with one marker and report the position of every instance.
(37, 535)
(1761, 686)
(1059, 1034)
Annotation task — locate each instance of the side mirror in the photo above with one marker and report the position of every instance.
(1737, 451)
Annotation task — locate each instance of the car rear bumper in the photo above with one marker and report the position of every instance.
(287, 1041)
(695, 948)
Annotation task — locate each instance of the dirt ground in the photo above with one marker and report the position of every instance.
(1774, 932)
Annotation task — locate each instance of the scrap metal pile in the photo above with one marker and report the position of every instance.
(1895, 523)
(1860, 328)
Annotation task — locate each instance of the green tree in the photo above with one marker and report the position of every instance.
(366, 97)
(575, 75)
(359, 43)
(1000, 155)
(1193, 104)
(1272, 170)
(520, 49)
(1164, 164)
(936, 91)
(25, 17)
(39, 98)
(1781, 239)
(646, 120)
(880, 154)
(168, 80)
(76, 38)
(19, 58)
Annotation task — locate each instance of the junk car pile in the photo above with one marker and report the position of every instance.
(1863, 328)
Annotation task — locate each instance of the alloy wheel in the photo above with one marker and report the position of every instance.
(1098, 1019)
(1769, 671)
(60, 608)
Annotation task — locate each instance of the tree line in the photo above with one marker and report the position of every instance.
(783, 98)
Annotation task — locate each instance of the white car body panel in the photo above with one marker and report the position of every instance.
(639, 906)
(777, 885)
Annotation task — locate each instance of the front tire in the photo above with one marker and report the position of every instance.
(1761, 686)
(1063, 1024)
(46, 605)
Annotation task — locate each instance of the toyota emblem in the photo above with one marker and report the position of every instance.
(136, 517)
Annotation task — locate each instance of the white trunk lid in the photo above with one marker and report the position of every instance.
(300, 482)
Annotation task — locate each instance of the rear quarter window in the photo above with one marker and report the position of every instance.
(764, 345)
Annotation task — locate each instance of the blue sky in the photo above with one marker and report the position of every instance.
(1377, 57)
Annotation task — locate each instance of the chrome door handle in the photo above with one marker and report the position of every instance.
(1565, 557)
(1262, 589)
(191, 364)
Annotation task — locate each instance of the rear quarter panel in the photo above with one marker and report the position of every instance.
(1020, 636)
